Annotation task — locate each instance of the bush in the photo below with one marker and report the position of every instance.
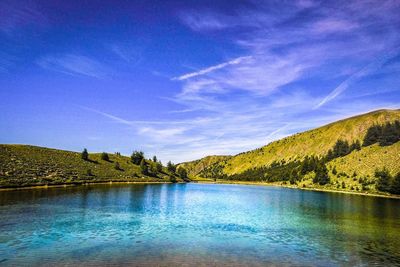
(182, 172)
(117, 167)
(143, 167)
(104, 156)
(85, 154)
(171, 167)
(383, 180)
(137, 157)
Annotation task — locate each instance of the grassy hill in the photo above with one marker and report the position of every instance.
(362, 163)
(22, 165)
(195, 167)
(314, 142)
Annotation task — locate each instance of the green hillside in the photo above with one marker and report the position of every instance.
(314, 142)
(22, 165)
(194, 168)
(355, 169)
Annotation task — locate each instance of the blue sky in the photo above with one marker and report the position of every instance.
(186, 79)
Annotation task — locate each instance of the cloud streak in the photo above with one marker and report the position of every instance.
(74, 64)
(370, 68)
(211, 69)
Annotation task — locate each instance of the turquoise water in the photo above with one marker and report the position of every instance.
(196, 224)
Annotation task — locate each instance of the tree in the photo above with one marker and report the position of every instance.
(137, 157)
(395, 187)
(372, 135)
(153, 168)
(85, 154)
(116, 166)
(154, 159)
(159, 166)
(104, 156)
(390, 135)
(143, 167)
(384, 180)
(294, 176)
(355, 146)
(89, 172)
(321, 175)
(341, 148)
(182, 172)
(171, 167)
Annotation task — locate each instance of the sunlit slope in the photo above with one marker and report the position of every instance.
(29, 165)
(196, 166)
(314, 142)
(368, 159)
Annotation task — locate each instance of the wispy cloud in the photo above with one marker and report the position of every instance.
(74, 64)
(212, 68)
(261, 98)
(15, 15)
(370, 68)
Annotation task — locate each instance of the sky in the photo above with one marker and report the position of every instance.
(186, 79)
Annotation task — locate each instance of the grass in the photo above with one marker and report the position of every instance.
(195, 167)
(349, 169)
(313, 142)
(22, 165)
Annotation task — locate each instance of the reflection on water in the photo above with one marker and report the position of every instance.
(195, 224)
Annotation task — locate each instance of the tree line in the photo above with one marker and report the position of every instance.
(150, 167)
(384, 135)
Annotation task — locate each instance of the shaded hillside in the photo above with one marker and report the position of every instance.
(195, 167)
(22, 165)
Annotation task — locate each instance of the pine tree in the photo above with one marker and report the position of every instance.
(341, 148)
(116, 166)
(182, 172)
(384, 180)
(137, 157)
(143, 167)
(389, 135)
(395, 187)
(154, 159)
(321, 175)
(171, 167)
(104, 156)
(372, 135)
(85, 154)
(159, 166)
(355, 146)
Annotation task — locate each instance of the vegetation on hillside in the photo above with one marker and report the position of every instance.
(22, 165)
(349, 164)
(364, 157)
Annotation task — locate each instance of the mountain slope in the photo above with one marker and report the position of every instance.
(195, 167)
(314, 142)
(23, 165)
(317, 142)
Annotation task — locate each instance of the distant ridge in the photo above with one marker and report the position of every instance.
(315, 142)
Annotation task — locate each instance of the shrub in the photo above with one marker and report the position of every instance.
(383, 180)
(137, 157)
(104, 156)
(117, 167)
(143, 167)
(85, 154)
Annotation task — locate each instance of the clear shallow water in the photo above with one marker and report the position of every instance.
(196, 224)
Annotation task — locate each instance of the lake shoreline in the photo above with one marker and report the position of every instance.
(301, 188)
(41, 186)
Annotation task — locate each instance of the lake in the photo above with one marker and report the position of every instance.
(196, 224)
